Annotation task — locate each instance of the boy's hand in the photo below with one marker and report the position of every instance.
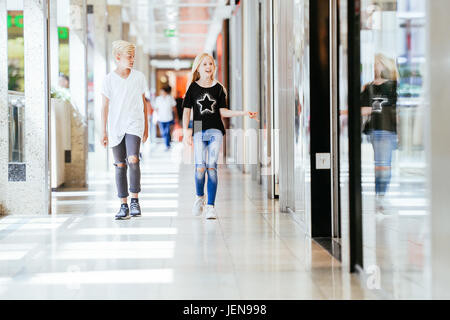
(253, 115)
(104, 142)
(145, 137)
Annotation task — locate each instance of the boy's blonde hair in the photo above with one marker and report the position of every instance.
(121, 46)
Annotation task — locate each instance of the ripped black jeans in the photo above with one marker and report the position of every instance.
(126, 155)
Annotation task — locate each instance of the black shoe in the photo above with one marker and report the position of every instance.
(124, 213)
(135, 209)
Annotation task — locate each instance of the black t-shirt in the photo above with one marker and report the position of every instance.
(383, 100)
(206, 103)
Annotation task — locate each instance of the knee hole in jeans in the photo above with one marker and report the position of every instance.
(201, 170)
(121, 165)
(212, 173)
(133, 159)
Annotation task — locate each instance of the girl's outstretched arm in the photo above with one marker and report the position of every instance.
(227, 113)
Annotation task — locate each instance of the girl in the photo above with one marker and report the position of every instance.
(207, 97)
(379, 100)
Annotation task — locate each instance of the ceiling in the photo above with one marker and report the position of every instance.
(176, 28)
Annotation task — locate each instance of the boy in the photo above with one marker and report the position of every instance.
(125, 113)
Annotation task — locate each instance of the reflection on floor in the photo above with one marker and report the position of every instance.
(396, 231)
(251, 252)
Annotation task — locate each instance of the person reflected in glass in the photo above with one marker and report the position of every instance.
(379, 102)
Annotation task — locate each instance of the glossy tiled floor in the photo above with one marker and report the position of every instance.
(251, 252)
(396, 238)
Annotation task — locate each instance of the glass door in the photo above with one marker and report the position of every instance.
(393, 159)
(334, 132)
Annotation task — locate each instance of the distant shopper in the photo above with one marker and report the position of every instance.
(379, 102)
(165, 106)
(124, 119)
(208, 100)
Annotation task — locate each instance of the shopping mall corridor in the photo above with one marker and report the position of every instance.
(251, 252)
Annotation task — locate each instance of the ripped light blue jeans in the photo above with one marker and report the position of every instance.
(384, 143)
(207, 146)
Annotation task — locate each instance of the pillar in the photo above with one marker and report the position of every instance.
(54, 43)
(3, 107)
(126, 31)
(146, 67)
(114, 32)
(139, 65)
(99, 162)
(251, 90)
(285, 101)
(439, 97)
(76, 170)
(25, 186)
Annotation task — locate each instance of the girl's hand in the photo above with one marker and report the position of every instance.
(253, 115)
(187, 140)
(104, 141)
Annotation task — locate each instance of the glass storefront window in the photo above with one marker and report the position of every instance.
(302, 110)
(393, 161)
(16, 83)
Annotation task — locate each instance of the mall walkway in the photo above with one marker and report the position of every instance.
(251, 252)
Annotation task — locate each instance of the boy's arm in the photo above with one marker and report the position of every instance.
(145, 137)
(105, 112)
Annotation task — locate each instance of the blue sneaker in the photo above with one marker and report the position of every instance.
(124, 212)
(135, 208)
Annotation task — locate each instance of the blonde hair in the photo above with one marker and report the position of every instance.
(121, 46)
(195, 75)
(390, 70)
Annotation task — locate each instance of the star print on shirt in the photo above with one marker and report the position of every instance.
(206, 104)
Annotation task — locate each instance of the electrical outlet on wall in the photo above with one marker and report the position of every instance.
(323, 161)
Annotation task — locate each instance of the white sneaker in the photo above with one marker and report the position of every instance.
(199, 204)
(210, 212)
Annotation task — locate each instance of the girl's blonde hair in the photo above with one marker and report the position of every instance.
(195, 75)
(121, 46)
(390, 70)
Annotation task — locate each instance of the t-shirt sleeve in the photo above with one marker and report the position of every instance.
(187, 101)
(144, 85)
(106, 87)
(173, 103)
(222, 99)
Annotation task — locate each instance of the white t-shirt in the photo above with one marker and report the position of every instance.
(164, 108)
(126, 107)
